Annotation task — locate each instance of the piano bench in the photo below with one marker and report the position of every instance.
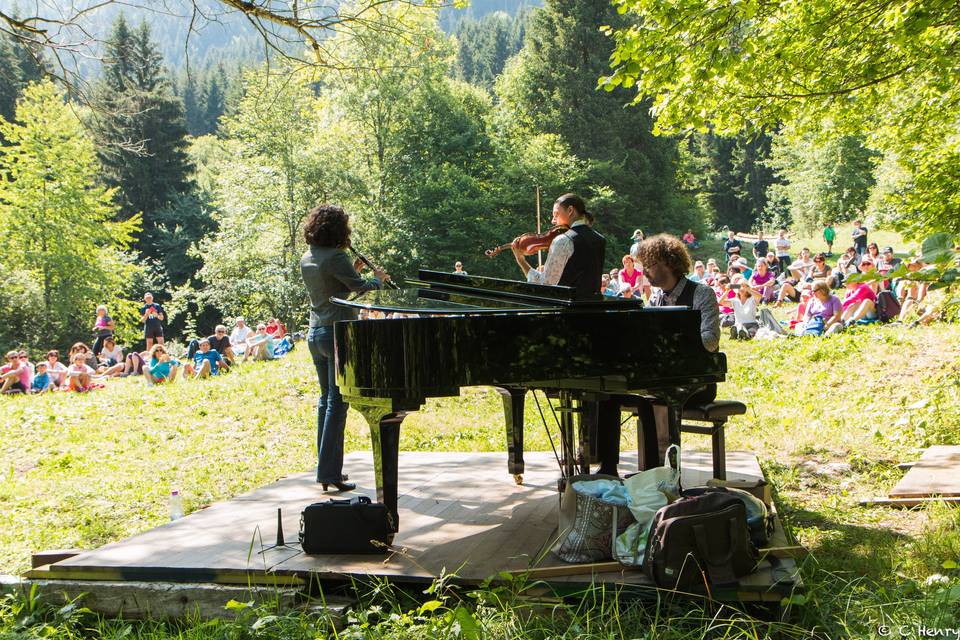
(716, 413)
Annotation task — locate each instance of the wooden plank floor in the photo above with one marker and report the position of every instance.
(459, 512)
(936, 474)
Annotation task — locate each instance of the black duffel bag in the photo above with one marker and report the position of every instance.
(697, 539)
(346, 526)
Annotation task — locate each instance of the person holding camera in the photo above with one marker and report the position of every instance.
(151, 314)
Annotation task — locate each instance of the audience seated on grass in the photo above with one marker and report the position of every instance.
(220, 342)
(260, 345)
(111, 363)
(42, 380)
(239, 336)
(206, 361)
(56, 369)
(744, 305)
(15, 374)
(161, 367)
(79, 373)
(822, 313)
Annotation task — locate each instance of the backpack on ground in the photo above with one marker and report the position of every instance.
(888, 307)
(700, 539)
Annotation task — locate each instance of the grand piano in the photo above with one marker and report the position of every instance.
(456, 331)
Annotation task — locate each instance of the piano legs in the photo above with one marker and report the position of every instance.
(385, 435)
(513, 398)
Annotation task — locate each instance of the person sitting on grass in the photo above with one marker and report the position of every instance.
(79, 373)
(111, 358)
(239, 336)
(773, 265)
(859, 305)
(789, 290)
(259, 345)
(81, 348)
(135, 363)
(800, 268)
(820, 270)
(911, 292)
(276, 328)
(56, 369)
(699, 272)
(713, 272)
(764, 281)
(42, 381)
(15, 375)
(206, 361)
(162, 367)
(220, 342)
(629, 274)
(690, 240)
(822, 313)
(724, 295)
(744, 311)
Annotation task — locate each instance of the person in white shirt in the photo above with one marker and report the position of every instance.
(744, 311)
(111, 358)
(56, 369)
(238, 337)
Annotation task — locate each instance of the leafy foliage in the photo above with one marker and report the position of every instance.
(826, 179)
(881, 70)
(550, 88)
(141, 137)
(64, 253)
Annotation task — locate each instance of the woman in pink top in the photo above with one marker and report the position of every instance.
(15, 375)
(764, 281)
(629, 274)
(860, 303)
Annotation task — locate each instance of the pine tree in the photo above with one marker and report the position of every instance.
(213, 101)
(9, 79)
(191, 105)
(141, 131)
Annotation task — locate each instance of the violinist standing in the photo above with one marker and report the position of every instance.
(575, 258)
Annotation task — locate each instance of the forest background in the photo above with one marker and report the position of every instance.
(186, 170)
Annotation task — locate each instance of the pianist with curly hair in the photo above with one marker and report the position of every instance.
(575, 258)
(328, 271)
(666, 264)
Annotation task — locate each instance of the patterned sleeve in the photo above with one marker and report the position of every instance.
(560, 251)
(705, 300)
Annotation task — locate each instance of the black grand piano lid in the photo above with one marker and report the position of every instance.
(439, 293)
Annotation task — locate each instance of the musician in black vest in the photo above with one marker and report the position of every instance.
(666, 264)
(575, 258)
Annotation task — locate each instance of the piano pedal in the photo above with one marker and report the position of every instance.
(518, 478)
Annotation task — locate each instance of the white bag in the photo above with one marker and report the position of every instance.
(649, 491)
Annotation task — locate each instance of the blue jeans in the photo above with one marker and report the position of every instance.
(331, 409)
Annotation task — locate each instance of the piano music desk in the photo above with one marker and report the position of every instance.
(462, 513)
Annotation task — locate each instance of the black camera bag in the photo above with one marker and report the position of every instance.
(346, 526)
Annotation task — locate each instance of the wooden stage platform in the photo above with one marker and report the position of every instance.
(460, 513)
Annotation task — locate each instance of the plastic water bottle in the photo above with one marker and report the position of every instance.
(176, 505)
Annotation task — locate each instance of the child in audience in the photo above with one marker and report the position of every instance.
(56, 369)
(79, 373)
(42, 381)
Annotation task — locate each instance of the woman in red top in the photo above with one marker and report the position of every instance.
(630, 274)
(276, 328)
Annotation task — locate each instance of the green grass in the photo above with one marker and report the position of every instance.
(830, 419)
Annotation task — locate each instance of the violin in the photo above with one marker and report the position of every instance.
(530, 243)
